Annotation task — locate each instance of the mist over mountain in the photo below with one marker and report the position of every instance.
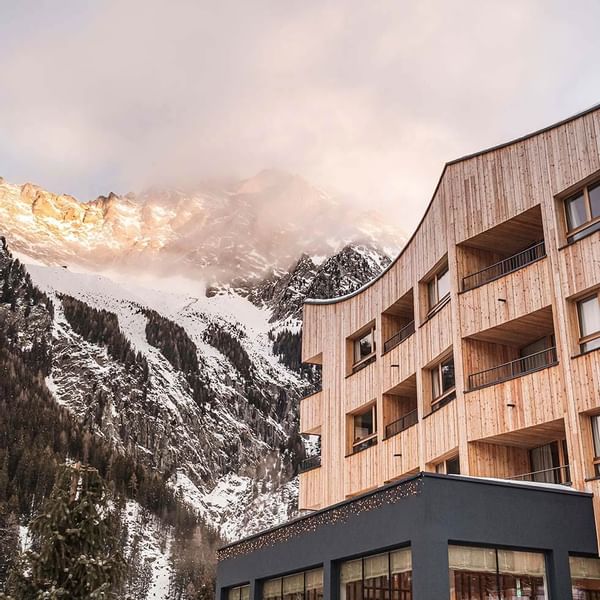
(218, 232)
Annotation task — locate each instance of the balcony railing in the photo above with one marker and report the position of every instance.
(408, 420)
(514, 368)
(363, 444)
(560, 474)
(310, 463)
(405, 332)
(505, 266)
(365, 362)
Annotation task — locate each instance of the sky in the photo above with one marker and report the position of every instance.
(368, 99)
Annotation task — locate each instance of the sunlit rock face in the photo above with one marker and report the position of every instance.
(218, 232)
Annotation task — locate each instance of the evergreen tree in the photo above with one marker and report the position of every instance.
(75, 552)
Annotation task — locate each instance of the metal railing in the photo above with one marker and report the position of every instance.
(364, 363)
(560, 474)
(405, 332)
(505, 266)
(310, 463)
(364, 444)
(514, 368)
(408, 420)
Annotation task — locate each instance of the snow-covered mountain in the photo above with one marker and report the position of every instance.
(218, 232)
(193, 369)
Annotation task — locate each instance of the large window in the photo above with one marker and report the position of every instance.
(583, 213)
(585, 578)
(491, 574)
(438, 288)
(442, 383)
(381, 577)
(364, 428)
(241, 592)
(307, 585)
(588, 311)
(449, 467)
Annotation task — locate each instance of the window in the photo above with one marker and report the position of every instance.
(438, 289)
(596, 439)
(307, 585)
(583, 213)
(489, 574)
(380, 577)
(585, 577)
(550, 463)
(364, 429)
(239, 593)
(442, 383)
(364, 346)
(449, 467)
(588, 311)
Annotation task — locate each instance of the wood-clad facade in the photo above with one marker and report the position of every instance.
(502, 372)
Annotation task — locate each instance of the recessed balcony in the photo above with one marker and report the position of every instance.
(398, 322)
(400, 407)
(513, 349)
(501, 250)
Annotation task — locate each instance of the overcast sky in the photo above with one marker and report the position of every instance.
(367, 98)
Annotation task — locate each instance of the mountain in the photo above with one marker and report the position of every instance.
(218, 232)
(194, 387)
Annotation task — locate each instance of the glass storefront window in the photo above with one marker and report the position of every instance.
(585, 578)
(493, 574)
(381, 577)
(307, 585)
(241, 592)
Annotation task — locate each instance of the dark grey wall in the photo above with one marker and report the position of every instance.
(446, 508)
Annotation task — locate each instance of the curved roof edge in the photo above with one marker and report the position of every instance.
(446, 165)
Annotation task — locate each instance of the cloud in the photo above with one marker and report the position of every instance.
(368, 98)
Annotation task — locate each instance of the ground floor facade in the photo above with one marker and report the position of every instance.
(427, 537)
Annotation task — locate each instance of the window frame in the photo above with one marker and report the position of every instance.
(358, 444)
(583, 340)
(596, 450)
(436, 371)
(356, 343)
(433, 284)
(590, 220)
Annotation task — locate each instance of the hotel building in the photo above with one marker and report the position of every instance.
(459, 415)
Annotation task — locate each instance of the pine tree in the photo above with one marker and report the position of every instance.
(75, 545)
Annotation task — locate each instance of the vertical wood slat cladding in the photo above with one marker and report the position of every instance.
(311, 411)
(507, 298)
(311, 489)
(517, 189)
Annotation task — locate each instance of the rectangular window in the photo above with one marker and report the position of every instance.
(306, 585)
(442, 383)
(438, 289)
(490, 573)
(585, 577)
(596, 439)
(449, 467)
(364, 346)
(588, 311)
(241, 592)
(364, 429)
(583, 213)
(380, 577)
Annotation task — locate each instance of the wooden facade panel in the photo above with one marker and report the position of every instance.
(400, 454)
(435, 335)
(311, 412)
(311, 489)
(361, 471)
(361, 388)
(523, 402)
(580, 265)
(510, 297)
(440, 432)
(402, 355)
(495, 460)
(586, 381)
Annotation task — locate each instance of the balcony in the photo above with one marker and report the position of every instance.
(310, 463)
(504, 266)
(398, 322)
(514, 368)
(558, 475)
(311, 412)
(408, 420)
(399, 337)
